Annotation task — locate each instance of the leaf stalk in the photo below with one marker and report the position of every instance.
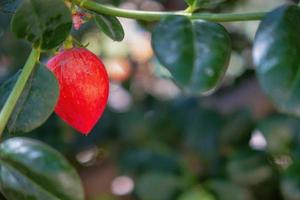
(156, 16)
(18, 88)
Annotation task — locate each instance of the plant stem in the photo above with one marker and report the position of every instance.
(18, 89)
(68, 44)
(155, 16)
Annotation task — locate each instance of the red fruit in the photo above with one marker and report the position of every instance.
(84, 87)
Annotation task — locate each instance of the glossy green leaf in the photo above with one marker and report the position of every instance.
(45, 23)
(32, 170)
(195, 52)
(36, 103)
(160, 71)
(276, 56)
(111, 26)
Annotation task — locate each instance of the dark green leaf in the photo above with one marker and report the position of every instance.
(1, 32)
(276, 54)
(226, 190)
(111, 26)
(195, 52)
(157, 186)
(201, 135)
(45, 23)
(9, 6)
(141, 160)
(197, 193)
(32, 170)
(36, 103)
(249, 168)
(237, 131)
(160, 71)
(280, 132)
(290, 182)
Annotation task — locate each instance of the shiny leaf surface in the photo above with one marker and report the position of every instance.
(195, 52)
(276, 56)
(36, 103)
(111, 26)
(45, 23)
(32, 170)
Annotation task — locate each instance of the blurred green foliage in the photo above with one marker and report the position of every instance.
(181, 147)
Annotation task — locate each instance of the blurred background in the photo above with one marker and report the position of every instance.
(155, 143)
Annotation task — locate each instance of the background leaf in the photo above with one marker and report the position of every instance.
(1, 32)
(157, 186)
(195, 52)
(249, 167)
(111, 26)
(197, 193)
(237, 130)
(32, 170)
(36, 103)
(276, 54)
(280, 132)
(9, 6)
(46, 23)
(290, 184)
(226, 190)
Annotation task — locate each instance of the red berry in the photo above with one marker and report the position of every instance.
(84, 87)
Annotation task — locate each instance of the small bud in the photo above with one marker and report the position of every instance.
(78, 20)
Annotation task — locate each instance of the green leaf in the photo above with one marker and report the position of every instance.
(160, 71)
(45, 23)
(249, 168)
(139, 160)
(290, 182)
(32, 170)
(237, 130)
(9, 6)
(201, 135)
(1, 32)
(195, 52)
(280, 132)
(226, 190)
(196, 193)
(36, 103)
(276, 56)
(157, 186)
(111, 26)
